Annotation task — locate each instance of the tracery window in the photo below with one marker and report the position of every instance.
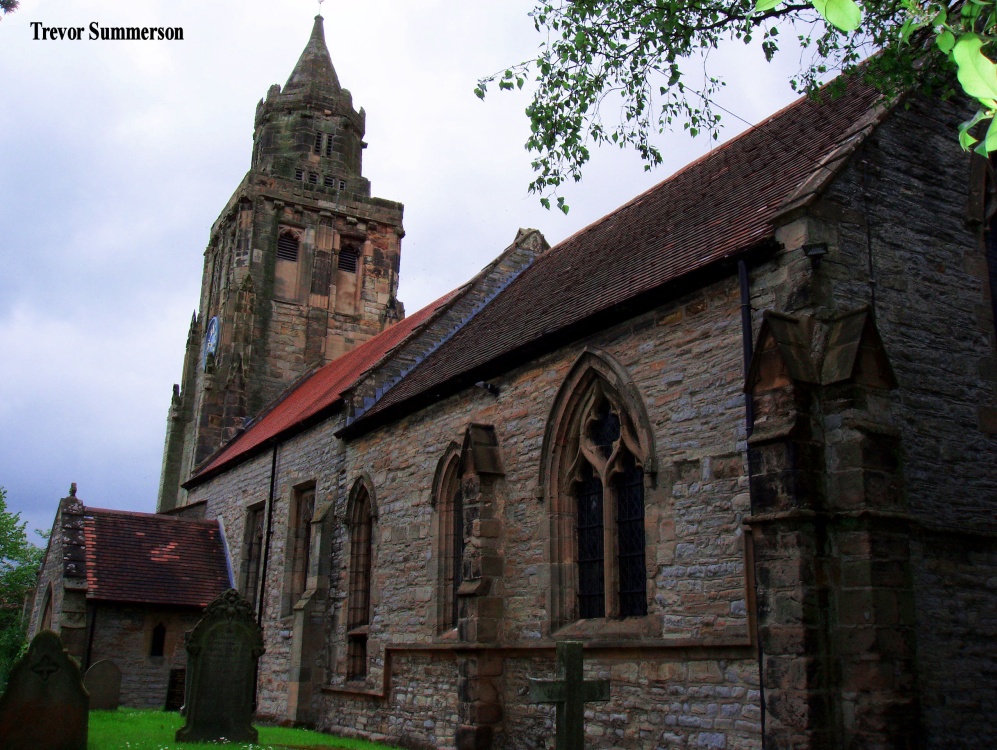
(608, 486)
(358, 604)
(598, 448)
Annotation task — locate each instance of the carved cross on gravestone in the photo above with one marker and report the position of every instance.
(570, 691)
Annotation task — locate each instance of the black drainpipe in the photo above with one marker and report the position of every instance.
(262, 582)
(266, 544)
(749, 425)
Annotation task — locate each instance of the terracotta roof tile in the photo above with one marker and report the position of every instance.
(715, 208)
(154, 559)
(319, 390)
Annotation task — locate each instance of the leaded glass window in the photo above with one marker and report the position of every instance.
(591, 552)
(610, 560)
(358, 606)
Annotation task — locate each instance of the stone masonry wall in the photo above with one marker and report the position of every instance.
(123, 634)
(50, 574)
(932, 303)
(685, 359)
(680, 357)
(310, 457)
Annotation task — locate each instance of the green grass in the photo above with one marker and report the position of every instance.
(139, 729)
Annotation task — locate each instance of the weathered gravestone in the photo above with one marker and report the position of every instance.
(45, 706)
(103, 682)
(221, 672)
(570, 691)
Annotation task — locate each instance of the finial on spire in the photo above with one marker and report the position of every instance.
(72, 490)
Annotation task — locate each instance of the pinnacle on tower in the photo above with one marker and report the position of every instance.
(313, 74)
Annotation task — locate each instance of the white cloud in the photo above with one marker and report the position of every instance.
(117, 157)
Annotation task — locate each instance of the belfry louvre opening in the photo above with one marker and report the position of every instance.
(287, 247)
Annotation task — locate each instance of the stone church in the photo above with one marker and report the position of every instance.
(738, 437)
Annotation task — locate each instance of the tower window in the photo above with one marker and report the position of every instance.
(329, 182)
(287, 247)
(312, 178)
(328, 145)
(342, 184)
(299, 174)
(348, 260)
(318, 143)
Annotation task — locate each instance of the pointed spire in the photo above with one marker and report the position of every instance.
(314, 73)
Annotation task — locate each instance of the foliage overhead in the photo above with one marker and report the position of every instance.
(648, 60)
(7, 6)
(19, 561)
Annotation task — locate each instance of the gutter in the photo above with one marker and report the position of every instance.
(549, 342)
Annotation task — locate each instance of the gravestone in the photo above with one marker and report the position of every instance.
(45, 705)
(570, 692)
(103, 682)
(221, 672)
(175, 690)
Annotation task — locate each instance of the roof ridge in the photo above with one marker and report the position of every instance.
(712, 153)
(89, 511)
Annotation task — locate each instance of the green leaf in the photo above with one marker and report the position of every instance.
(965, 139)
(763, 5)
(945, 41)
(479, 91)
(977, 74)
(990, 140)
(844, 15)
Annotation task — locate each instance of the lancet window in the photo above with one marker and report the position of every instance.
(158, 644)
(449, 498)
(358, 603)
(303, 508)
(254, 553)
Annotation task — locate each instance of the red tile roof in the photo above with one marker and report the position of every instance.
(153, 559)
(715, 208)
(318, 391)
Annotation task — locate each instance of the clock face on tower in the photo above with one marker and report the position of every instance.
(211, 339)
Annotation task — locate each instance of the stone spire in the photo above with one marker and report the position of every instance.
(314, 73)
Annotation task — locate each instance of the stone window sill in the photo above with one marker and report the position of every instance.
(600, 628)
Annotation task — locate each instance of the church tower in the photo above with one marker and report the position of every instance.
(301, 266)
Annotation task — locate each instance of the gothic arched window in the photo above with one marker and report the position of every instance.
(449, 499)
(299, 543)
(597, 450)
(607, 483)
(361, 523)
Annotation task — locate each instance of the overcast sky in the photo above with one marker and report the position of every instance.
(116, 157)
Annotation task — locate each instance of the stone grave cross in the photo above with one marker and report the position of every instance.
(570, 691)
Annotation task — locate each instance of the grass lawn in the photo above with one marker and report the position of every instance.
(138, 729)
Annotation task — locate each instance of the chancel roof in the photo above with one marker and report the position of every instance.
(318, 392)
(153, 559)
(715, 209)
